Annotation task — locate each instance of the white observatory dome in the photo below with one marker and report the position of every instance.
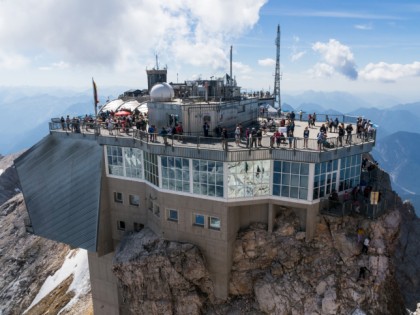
(162, 92)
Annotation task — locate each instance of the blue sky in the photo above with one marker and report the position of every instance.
(354, 46)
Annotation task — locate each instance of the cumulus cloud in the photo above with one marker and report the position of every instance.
(267, 62)
(123, 33)
(337, 58)
(386, 72)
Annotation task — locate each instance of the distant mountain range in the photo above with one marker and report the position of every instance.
(399, 155)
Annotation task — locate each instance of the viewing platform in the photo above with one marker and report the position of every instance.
(293, 148)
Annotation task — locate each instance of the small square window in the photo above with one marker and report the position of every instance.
(134, 200)
(214, 223)
(121, 225)
(173, 215)
(118, 197)
(199, 220)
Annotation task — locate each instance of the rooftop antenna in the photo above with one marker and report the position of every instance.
(157, 62)
(277, 76)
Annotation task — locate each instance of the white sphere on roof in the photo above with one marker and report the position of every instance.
(162, 92)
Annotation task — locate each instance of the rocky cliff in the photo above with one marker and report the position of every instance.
(272, 273)
(27, 261)
(281, 272)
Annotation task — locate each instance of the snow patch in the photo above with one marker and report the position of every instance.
(1, 171)
(76, 263)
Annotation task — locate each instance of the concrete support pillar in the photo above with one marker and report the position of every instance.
(311, 220)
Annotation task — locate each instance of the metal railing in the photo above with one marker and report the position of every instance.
(217, 143)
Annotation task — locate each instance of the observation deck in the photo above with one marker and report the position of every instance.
(214, 148)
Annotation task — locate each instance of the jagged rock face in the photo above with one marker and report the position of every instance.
(407, 260)
(161, 277)
(26, 260)
(286, 275)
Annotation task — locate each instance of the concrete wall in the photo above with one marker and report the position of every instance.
(105, 295)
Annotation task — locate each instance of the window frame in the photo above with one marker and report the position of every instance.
(169, 216)
(212, 227)
(195, 216)
(130, 201)
(116, 197)
(121, 226)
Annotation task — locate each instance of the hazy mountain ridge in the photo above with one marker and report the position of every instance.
(399, 155)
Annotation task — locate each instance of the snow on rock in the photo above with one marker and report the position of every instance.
(75, 263)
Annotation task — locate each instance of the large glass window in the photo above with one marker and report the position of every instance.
(350, 169)
(248, 179)
(175, 173)
(290, 179)
(151, 168)
(124, 161)
(133, 162)
(207, 178)
(325, 178)
(115, 160)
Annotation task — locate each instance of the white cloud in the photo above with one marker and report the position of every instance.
(55, 66)
(12, 61)
(338, 57)
(239, 67)
(126, 33)
(322, 70)
(267, 62)
(296, 56)
(364, 27)
(386, 72)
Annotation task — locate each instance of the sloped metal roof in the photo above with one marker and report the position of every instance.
(61, 180)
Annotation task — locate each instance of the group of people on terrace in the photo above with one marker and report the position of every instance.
(281, 130)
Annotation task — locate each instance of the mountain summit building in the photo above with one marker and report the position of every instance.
(89, 188)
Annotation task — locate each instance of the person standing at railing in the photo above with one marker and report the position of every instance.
(164, 134)
(63, 122)
(224, 139)
(341, 133)
(290, 138)
(68, 122)
(253, 138)
(237, 135)
(259, 137)
(320, 139)
(349, 130)
(152, 131)
(206, 128)
(305, 137)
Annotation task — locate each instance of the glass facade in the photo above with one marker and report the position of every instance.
(350, 168)
(325, 179)
(207, 178)
(125, 162)
(175, 173)
(290, 179)
(244, 179)
(133, 162)
(248, 178)
(151, 173)
(115, 160)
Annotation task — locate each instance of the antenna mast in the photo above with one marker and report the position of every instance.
(277, 76)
